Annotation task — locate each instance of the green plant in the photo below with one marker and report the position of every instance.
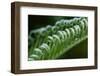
(50, 42)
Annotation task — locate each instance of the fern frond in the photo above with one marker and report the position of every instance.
(50, 42)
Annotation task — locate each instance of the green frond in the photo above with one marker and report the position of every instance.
(50, 42)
